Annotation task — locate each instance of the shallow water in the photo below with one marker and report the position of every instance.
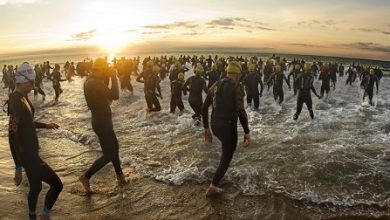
(337, 164)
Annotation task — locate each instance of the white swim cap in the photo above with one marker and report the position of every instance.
(24, 73)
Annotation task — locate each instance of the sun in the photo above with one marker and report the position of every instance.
(113, 42)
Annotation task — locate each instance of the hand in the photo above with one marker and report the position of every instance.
(208, 136)
(18, 177)
(52, 126)
(247, 140)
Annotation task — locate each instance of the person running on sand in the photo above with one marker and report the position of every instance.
(227, 100)
(99, 98)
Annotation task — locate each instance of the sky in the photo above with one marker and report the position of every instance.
(350, 28)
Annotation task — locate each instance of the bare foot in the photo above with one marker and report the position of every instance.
(212, 190)
(45, 217)
(85, 181)
(121, 180)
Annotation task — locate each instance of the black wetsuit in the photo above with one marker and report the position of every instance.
(305, 86)
(278, 86)
(351, 77)
(369, 89)
(212, 77)
(325, 86)
(195, 85)
(56, 77)
(25, 151)
(177, 88)
(99, 97)
(251, 83)
(294, 74)
(151, 83)
(227, 100)
(38, 82)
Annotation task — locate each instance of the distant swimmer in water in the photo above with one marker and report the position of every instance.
(351, 76)
(372, 80)
(295, 73)
(195, 85)
(277, 79)
(151, 82)
(38, 82)
(227, 100)
(251, 83)
(99, 98)
(305, 86)
(177, 88)
(24, 144)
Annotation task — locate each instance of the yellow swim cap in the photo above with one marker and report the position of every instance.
(177, 64)
(149, 64)
(180, 76)
(278, 69)
(233, 68)
(100, 64)
(372, 71)
(307, 67)
(252, 67)
(156, 69)
(199, 70)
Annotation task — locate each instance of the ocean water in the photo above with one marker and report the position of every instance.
(340, 160)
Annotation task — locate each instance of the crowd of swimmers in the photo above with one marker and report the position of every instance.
(225, 81)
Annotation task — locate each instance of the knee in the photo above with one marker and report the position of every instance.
(35, 187)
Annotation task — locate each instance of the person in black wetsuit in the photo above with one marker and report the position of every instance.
(251, 83)
(278, 78)
(372, 80)
(38, 82)
(99, 98)
(151, 83)
(227, 100)
(351, 76)
(212, 76)
(56, 78)
(295, 73)
(325, 77)
(195, 85)
(177, 88)
(305, 86)
(24, 144)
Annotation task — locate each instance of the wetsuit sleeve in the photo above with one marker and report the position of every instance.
(289, 75)
(14, 121)
(287, 81)
(158, 85)
(377, 83)
(186, 84)
(205, 109)
(261, 85)
(241, 110)
(313, 89)
(204, 86)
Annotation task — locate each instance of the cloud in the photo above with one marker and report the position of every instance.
(131, 31)
(306, 45)
(84, 35)
(231, 23)
(331, 24)
(151, 32)
(192, 33)
(366, 46)
(370, 30)
(175, 25)
(13, 2)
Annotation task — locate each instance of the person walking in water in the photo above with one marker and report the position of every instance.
(99, 98)
(305, 86)
(227, 99)
(24, 144)
(195, 85)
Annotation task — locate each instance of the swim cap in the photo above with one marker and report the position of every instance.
(372, 71)
(149, 64)
(297, 67)
(199, 70)
(307, 67)
(156, 69)
(177, 64)
(25, 73)
(180, 76)
(252, 67)
(278, 69)
(233, 68)
(100, 64)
